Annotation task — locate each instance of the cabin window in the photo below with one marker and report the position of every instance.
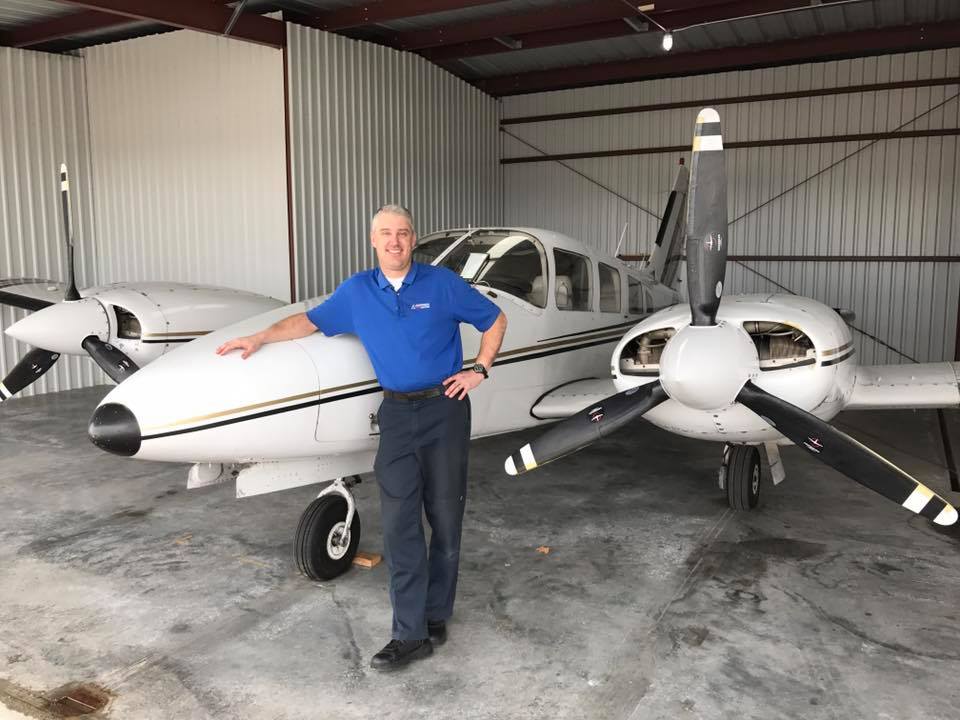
(435, 244)
(512, 262)
(635, 300)
(573, 280)
(609, 289)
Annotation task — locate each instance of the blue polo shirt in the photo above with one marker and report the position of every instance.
(412, 335)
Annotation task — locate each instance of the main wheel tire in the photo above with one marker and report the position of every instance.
(315, 546)
(743, 477)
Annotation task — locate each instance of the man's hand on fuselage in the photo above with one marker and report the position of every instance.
(291, 328)
(249, 344)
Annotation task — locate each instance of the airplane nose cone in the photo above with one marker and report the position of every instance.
(115, 429)
(62, 327)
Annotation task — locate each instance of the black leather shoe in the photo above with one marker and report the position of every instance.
(437, 629)
(397, 653)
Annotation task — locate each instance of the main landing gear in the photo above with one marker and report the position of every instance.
(740, 476)
(329, 532)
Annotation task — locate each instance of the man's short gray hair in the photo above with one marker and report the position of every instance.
(392, 210)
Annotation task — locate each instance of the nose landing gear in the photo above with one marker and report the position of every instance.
(329, 532)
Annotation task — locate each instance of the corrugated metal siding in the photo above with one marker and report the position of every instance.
(43, 122)
(894, 197)
(187, 138)
(370, 125)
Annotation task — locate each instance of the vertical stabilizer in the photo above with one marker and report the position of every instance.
(666, 257)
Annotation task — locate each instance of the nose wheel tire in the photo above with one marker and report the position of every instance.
(742, 477)
(324, 547)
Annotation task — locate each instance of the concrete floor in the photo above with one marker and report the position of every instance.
(655, 601)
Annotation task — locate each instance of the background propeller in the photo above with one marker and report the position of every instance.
(731, 358)
(37, 361)
(31, 366)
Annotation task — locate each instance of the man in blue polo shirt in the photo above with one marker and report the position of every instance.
(408, 315)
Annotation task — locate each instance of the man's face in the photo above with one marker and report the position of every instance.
(393, 239)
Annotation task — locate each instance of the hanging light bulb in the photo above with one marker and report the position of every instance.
(667, 41)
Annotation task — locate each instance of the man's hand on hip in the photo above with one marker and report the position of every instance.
(460, 384)
(249, 344)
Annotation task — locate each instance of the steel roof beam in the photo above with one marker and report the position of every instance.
(206, 17)
(61, 27)
(807, 49)
(671, 14)
(380, 11)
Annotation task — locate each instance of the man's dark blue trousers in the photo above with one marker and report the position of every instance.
(422, 463)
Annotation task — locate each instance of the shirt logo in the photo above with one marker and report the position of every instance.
(420, 306)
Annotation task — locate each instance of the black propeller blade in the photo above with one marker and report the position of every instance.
(34, 364)
(587, 426)
(72, 292)
(843, 453)
(111, 360)
(706, 220)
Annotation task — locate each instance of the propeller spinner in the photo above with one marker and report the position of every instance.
(709, 365)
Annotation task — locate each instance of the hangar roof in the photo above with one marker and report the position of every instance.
(515, 46)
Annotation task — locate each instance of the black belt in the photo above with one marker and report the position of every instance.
(433, 392)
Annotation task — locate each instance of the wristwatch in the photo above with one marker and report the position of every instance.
(478, 368)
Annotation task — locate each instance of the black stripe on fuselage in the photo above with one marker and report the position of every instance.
(827, 363)
(367, 391)
(799, 363)
(557, 351)
(595, 330)
(265, 413)
(168, 340)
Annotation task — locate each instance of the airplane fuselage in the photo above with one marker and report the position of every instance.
(317, 397)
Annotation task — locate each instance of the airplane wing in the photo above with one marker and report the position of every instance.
(918, 385)
(571, 398)
(30, 293)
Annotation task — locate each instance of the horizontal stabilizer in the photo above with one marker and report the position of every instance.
(917, 385)
(569, 399)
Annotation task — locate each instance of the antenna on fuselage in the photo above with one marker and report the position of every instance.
(623, 234)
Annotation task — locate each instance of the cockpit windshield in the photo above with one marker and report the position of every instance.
(435, 244)
(506, 260)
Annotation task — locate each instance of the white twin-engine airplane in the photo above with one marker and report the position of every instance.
(753, 370)
(304, 411)
(121, 326)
